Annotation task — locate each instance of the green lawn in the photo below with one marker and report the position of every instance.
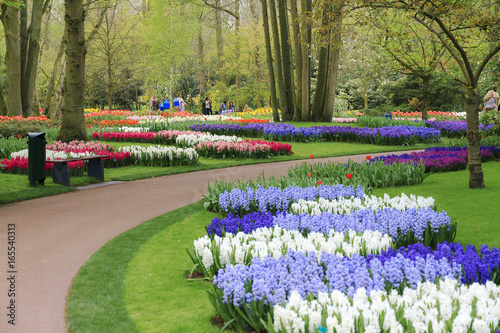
(137, 282)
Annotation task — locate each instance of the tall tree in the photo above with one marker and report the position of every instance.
(73, 120)
(10, 21)
(269, 57)
(461, 27)
(288, 101)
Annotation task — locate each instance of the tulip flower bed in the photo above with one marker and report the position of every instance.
(440, 159)
(106, 113)
(114, 122)
(389, 135)
(417, 114)
(20, 119)
(457, 129)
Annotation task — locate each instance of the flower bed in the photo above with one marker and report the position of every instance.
(461, 309)
(457, 129)
(274, 199)
(161, 156)
(214, 253)
(195, 138)
(388, 135)
(248, 293)
(439, 159)
(223, 149)
(344, 120)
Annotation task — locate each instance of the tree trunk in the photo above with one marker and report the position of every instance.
(201, 58)
(47, 104)
(269, 57)
(334, 65)
(31, 65)
(297, 116)
(10, 21)
(287, 103)
(306, 61)
(277, 53)
(425, 96)
(3, 106)
(476, 179)
(323, 69)
(220, 47)
(73, 120)
(237, 55)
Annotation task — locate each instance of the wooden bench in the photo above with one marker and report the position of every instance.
(60, 171)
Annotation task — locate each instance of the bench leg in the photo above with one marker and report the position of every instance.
(60, 173)
(96, 169)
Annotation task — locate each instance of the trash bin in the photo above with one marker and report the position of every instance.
(162, 106)
(36, 158)
(387, 115)
(166, 104)
(176, 102)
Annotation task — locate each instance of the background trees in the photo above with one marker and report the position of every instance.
(314, 51)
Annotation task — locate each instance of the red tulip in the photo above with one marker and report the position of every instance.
(312, 156)
(309, 174)
(368, 157)
(320, 182)
(349, 176)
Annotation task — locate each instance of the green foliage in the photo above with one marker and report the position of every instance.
(375, 122)
(367, 175)
(445, 93)
(10, 145)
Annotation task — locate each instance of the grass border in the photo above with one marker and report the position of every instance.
(88, 295)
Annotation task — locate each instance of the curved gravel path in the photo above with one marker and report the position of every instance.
(55, 235)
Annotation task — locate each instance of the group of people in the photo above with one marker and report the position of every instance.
(180, 104)
(223, 109)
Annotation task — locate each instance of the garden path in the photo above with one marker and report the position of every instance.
(55, 235)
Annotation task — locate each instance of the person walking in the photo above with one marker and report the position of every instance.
(182, 104)
(208, 106)
(491, 100)
(152, 103)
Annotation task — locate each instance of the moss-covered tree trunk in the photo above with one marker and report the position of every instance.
(73, 120)
(425, 96)
(288, 102)
(278, 68)
(297, 51)
(476, 179)
(10, 21)
(269, 57)
(305, 6)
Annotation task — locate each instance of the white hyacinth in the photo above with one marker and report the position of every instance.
(239, 248)
(460, 307)
(348, 205)
(52, 154)
(189, 140)
(160, 151)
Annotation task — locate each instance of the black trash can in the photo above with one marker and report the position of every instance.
(36, 159)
